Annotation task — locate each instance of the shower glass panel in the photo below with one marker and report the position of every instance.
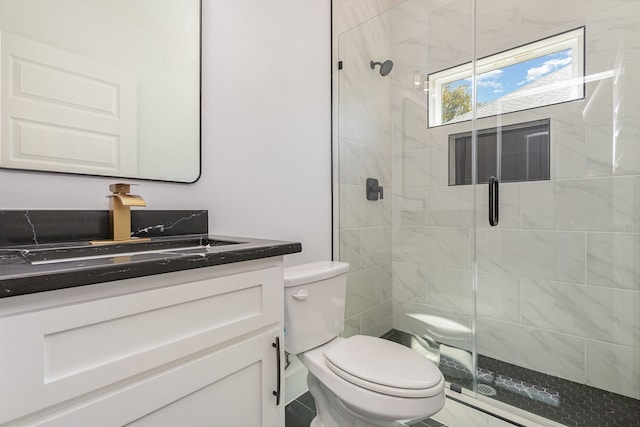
(364, 151)
(558, 291)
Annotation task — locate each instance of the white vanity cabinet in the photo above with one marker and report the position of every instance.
(191, 348)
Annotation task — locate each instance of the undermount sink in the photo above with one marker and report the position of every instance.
(79, 251)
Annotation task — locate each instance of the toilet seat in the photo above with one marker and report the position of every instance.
(384, 367)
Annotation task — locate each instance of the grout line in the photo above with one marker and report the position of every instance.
(521, 300)
(585, 259)
(584, 369)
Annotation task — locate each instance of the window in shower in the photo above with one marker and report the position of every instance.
(523, 154)
(545, 72)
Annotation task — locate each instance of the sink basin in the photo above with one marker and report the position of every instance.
(79, 251)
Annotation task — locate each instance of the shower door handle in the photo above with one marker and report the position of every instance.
(493, 201)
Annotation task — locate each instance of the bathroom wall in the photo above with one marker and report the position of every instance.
(265, 132)
(362, 149)
(559, 278)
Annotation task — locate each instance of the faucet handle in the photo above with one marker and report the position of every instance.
(121, 192)
(120, 187)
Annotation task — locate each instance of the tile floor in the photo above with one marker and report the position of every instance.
(559, 400)
(301, 411)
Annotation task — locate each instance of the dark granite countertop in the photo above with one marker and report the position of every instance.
(23, 270)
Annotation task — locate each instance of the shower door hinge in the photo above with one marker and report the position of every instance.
(339, 65)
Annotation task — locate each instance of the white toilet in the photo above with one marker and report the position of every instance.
(356, 381)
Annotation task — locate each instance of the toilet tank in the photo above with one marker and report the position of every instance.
(314, 304)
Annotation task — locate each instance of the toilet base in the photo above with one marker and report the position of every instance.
(332, 412)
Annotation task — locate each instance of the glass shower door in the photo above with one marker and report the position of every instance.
(558, 219)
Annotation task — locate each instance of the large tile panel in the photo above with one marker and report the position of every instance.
(625, 88)
(377, 321)
(450, 289)
(613, 35)
(599, 149)
(364, 291)
(365, 96)
(451, 206)
(350, 248)
(409, 282)
(613, 149)
(614, 368)
(613, 259)
(409, 115)
(351, 13)
(604, 314)
(411, 169)
(410, 206)
(375, 246)
(442, 326)
(498, 297)
(568, 145)
(356, 211)
(432, 246)
(537, 254)
(552, 353)
(410, 33)
(602, 204)
(510, 205)
(627, 149)
(449, 39)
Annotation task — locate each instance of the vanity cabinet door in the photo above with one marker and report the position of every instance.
(229, 387)
(240, 395)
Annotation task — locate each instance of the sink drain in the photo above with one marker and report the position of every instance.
(486, 390)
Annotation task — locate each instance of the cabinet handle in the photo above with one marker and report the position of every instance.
(493, 201)
(276, 392)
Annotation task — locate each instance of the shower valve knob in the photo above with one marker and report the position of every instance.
(374, 189)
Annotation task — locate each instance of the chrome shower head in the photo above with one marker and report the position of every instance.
(385, 67)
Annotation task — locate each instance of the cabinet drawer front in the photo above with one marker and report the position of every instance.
(61, 353)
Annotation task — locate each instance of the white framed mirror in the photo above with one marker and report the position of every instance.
(101, 87)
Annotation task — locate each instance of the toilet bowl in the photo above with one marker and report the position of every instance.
(355, 381)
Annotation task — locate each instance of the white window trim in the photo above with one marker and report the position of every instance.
(573, 40)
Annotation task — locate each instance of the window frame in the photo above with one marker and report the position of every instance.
(572, 39)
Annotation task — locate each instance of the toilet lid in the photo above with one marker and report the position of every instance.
(384, 366)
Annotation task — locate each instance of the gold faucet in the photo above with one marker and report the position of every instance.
(120, 203)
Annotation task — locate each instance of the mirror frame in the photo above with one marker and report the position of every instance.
(122, 177)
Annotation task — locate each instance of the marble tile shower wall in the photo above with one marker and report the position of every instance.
(559, 278)
(364, 136)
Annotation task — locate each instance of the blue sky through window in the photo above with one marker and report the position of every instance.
(503, 81)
